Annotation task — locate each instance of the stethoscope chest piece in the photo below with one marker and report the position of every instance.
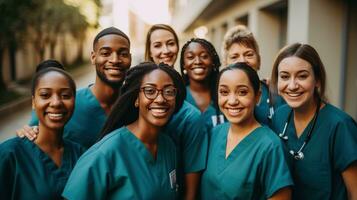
(297, 155)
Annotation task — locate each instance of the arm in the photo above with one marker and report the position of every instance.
(192, 182)
(350, 178)
(282, 194)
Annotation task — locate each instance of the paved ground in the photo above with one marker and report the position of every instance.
(9, 124)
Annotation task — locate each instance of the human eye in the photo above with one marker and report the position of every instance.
(66, 95)
(205, 56)
(157, 45)
(124, 54)
(44, 95)
(249, 55)
(223, 92)
(105, 53)
(303, 76)
(171, 43)
(284, 76)
(150, 90)
(189, 56)
(242, 92)
(170, 91)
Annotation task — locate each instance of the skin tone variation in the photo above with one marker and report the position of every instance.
(163, 47)
(237, 99)
(53, 101)
(111, 57)
(198, 65)
(241, 53)
(298, 85)
(154, 111)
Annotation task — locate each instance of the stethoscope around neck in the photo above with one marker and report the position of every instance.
(299, 155)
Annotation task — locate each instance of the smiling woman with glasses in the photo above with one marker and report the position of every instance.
(134, 159)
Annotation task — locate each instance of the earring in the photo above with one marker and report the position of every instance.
(184, 71)
(136, 104)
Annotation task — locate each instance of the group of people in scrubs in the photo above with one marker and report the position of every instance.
(211, 132)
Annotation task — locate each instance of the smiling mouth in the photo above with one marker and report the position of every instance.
(159, 112)
(234, 111)
(198, 70)
(55, 116)
(115, 71)
(294, 94)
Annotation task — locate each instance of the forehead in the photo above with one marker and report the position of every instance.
(233, 78)
(294, 64)
(195, 46)
(112, 41)
(53, 79)
(161, 35)
(239, 47)
(157, 77)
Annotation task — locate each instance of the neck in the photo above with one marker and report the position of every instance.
(48, 139)
(199, 86)
(105, 94)
(243, 129)
(306, 112)
(146, 133)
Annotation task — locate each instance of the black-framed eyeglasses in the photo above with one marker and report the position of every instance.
(151, 92)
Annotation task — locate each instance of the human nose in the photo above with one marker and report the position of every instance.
(292, 84)
(242, 59)
(160, 97)
(55, 101)
(114, 58)
(165, 49)
(232, 99)
(197, 60)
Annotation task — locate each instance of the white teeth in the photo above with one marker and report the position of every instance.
(234, 111)
(198, 70)
(55, 115)
(158, 110)
(113, 71)
(294, 94)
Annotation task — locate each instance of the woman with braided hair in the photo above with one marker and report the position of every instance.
(190, 135)
(200, 64)
(134, 159)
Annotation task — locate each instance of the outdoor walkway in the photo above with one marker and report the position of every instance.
(20, 116)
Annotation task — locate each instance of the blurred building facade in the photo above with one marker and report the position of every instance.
(328, 25)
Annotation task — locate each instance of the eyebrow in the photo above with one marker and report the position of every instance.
(153, 84)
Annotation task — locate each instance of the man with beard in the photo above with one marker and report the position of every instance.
(111, 58)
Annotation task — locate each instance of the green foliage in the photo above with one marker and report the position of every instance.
(40, 22)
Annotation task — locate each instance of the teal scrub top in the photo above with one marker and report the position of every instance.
(265, 109)
(188, 131)
(331, 149)
(26, 172)
(121, 167)
(255, 169)
(210, 116)
(86, 122)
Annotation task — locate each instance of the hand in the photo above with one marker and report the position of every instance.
(28, 131)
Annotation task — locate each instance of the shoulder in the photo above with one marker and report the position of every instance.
(111, 141)
(268, 140)
(335, 114)
(187, 113)
(12, 144)
(11, 148)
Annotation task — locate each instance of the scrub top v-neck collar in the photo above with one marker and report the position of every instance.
(246, 141)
